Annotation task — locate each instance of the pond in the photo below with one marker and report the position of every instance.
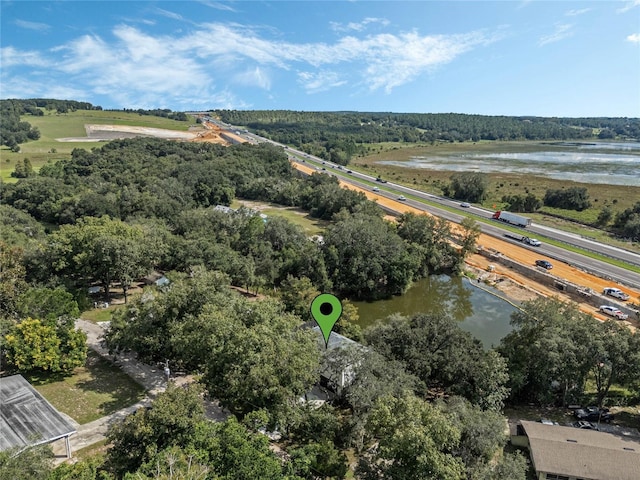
(612, 164)
(481, 313)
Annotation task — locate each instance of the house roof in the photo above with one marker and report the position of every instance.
(335, 340)
(581, 453)
(26, 418)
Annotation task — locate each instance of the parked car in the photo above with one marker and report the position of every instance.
(584, 424)
(544, 264)
(546, 421)
(594, 414)
(616, 293)
(402, 198)
(465, 205)
(613, 312)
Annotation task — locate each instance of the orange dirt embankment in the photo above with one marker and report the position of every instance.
(211, 134)
(520, 254)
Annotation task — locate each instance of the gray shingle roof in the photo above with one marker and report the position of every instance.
(581, 453)
(26, 418)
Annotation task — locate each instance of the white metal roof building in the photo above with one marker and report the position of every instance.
(27, 418)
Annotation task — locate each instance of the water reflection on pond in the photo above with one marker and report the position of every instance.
(483, 315)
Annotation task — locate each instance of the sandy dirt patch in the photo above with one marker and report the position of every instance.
(104, 133)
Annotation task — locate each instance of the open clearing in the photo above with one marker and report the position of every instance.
(311, 226)
(89, 129)
(93, 391)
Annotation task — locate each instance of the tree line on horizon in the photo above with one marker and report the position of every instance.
(337, 136)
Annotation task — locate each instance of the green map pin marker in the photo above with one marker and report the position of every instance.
(326, 310)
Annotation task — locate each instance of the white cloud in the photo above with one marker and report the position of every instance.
(136, 68)
(40, 27)
(358, 26)
(314, 82)
(634, 38)
(561, 32)
(168, 14)
(575, 13)
(218, 5)
(255, 77)
(628, 6)
(10, 57)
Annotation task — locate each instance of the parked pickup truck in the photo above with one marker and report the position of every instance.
(529, 241)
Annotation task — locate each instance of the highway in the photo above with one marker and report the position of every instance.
(443, 207)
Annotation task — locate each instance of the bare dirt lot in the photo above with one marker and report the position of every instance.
(96, 133)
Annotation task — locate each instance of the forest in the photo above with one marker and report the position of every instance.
(337, 136)
(426, 399)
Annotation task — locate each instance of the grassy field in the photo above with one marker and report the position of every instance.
(311, 226)
(96, 315)
(93, 391)
(617, 197)
(53, 125)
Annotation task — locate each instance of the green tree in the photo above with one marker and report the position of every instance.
(469, 186)
(48, 304)
(414, 439)
(549, 352)
(297, 295)
(102, 249)
(574, 198)
(23, 169)
(260, 360)
(469, 236)
(442, 356)
(12, 278)
(30, 464)
(482, 433)
(174, 418)
(428, 238)
(616, 358)
(605, 216)
(150, 324)
(49, 346)
(367, 259)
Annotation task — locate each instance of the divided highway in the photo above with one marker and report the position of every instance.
(443, 207)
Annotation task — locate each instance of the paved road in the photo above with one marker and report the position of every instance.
(150, 378)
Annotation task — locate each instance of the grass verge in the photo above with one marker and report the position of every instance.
(93, 391)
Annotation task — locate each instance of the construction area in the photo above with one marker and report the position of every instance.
(203, 132)
(502, 264)
(510, 268)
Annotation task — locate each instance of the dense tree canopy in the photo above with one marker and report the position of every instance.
(554, 348)
(443, 357)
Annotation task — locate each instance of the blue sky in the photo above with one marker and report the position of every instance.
(546, 58)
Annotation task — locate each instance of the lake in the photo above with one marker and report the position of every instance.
(609, 163)
(482, 314)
